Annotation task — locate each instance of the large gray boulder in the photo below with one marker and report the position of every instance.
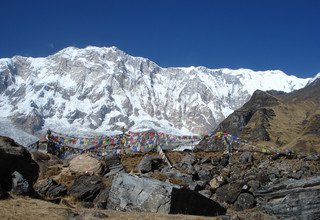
(14, 157)
(134, 193)
(292, 199)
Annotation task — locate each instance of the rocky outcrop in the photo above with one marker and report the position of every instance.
(14, 157)
(290, 199)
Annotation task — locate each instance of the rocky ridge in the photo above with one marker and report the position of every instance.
(278, 120)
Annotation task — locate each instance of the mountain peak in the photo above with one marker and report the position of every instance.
(94, 89)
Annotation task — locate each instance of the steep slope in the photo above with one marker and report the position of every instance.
(279, 120)
(99, 89)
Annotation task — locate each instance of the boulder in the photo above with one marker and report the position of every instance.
(189, 159)
(84, 163)
(246, 157)
(292, 199)
(244, 201)
(216, 182)
(148, 164)
(175, 174)
(134, 193)
(184, 201)
(85, 188)
(113, 166)
(101, 200)
(20, 185)
(50, 188)
(229, 192)
(14, 157)
(57, 191)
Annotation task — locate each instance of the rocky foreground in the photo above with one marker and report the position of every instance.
(248, 185)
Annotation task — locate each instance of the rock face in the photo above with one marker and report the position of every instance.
(84, 163)
(291, 199)
(124, 90)
(14, 157)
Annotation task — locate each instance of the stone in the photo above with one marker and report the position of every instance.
(114, 170)
(244, 201)
(42, 186)
(253, 184)
(57, 191)
(246, 157)
(188, 202)
(20, 185)
(148, 164)
(215, 161)
(101, 200)
(216, 182)
(87, 204)
(97, 214)
(206, 193)
(189, 159)
(85, 188)
(112, 161)
(224, 160)
(173, 173)
(84, 163)
(295, 175)
(313, 157)
(229, 192)
(14, 157)
(292, 199)
(263, 177)
(133, 193)
(50, 188)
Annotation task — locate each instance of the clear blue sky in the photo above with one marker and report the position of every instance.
(255, 34)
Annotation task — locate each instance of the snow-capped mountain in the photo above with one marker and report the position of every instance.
(102, 89)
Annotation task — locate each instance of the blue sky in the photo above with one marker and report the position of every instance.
(255, 34)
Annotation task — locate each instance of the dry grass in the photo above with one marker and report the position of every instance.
(25, 208)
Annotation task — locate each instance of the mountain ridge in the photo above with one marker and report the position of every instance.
(101, 89)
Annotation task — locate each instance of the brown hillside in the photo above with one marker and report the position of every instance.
(279, 120)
